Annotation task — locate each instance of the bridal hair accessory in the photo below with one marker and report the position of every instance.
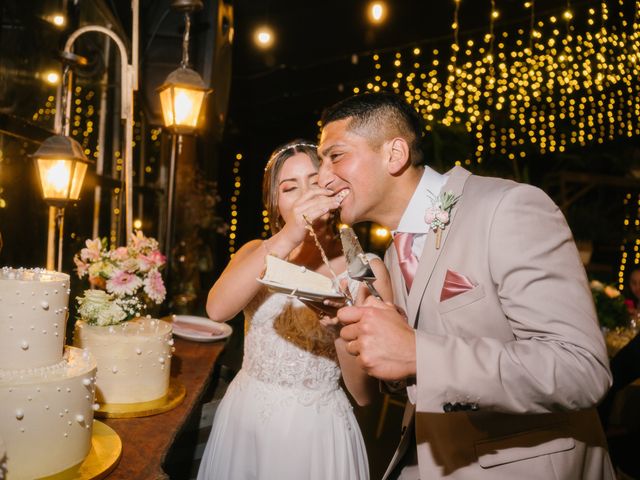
(438, 214)
(284, 149)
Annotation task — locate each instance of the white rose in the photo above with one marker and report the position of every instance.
(97, 307)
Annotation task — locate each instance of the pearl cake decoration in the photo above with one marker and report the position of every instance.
(134, 358)
(47, 390)
(27, 335)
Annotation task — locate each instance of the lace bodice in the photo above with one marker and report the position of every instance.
(285, 344)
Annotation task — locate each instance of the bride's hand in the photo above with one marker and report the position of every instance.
(308, 209)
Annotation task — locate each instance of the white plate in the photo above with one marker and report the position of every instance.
(302, 294)
(188, 320)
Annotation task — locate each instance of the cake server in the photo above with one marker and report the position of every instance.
(325, 259)
(358, 267)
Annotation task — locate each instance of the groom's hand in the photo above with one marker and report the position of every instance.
(378, 334)
(331, 307)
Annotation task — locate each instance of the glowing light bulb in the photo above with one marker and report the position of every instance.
(264, 37)
(183, 106)
(52, 77)
(377, 12)
(58, 177)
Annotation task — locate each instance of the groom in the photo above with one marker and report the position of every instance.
(500, 351)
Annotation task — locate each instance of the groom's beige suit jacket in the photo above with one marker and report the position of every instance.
(518, 360)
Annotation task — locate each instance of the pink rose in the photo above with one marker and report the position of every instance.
(430, 215)
(156, 258)
(443, 217)
(153, 260)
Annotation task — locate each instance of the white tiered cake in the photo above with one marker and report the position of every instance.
(134, 358)
(46, 390)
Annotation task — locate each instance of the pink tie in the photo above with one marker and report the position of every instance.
(408, 261)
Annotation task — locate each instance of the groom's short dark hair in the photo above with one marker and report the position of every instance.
(377, 116)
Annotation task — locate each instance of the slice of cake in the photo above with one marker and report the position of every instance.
(296, 277)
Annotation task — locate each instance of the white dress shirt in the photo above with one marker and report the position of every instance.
(412, 220)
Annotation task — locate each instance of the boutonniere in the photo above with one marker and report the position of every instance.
(438, 214)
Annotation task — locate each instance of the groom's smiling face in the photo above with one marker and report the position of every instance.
(348, 162)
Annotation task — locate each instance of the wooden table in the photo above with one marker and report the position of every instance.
(146, 440)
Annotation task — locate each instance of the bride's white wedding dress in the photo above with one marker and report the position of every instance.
(285, 416)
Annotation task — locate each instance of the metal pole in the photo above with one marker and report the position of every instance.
(141, 166)
(51, 239)
(135, 22)
(176, 142)
(128, 74)
(97, 194)
(60, 236)
(61, 123)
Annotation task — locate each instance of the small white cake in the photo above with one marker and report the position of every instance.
(296, 277)
(46, 391)
(134, 358)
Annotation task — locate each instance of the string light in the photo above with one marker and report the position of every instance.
(543, 89)
(630, 248)
(452, 68)
(233, 228)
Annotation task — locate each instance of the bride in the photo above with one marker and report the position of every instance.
(285, 416)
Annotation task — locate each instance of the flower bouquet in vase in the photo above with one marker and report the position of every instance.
(613, 315)
(133, 350)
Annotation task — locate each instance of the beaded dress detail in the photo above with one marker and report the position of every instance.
(285, 415)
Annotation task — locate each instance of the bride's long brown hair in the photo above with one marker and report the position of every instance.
(301, 330)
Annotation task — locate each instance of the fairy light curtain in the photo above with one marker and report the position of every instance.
(568, 79)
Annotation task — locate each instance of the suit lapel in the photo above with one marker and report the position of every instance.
(430, 254)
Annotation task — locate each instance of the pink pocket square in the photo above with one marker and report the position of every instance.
(454, 284)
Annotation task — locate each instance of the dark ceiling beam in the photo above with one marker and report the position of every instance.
(20, 128)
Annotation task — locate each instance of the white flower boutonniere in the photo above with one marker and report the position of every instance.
(438, 214)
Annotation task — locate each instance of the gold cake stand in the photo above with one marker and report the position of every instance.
(171, 400)
(106, 448)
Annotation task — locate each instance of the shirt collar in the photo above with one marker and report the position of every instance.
(412, 220)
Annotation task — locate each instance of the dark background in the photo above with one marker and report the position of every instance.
(260, 100)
